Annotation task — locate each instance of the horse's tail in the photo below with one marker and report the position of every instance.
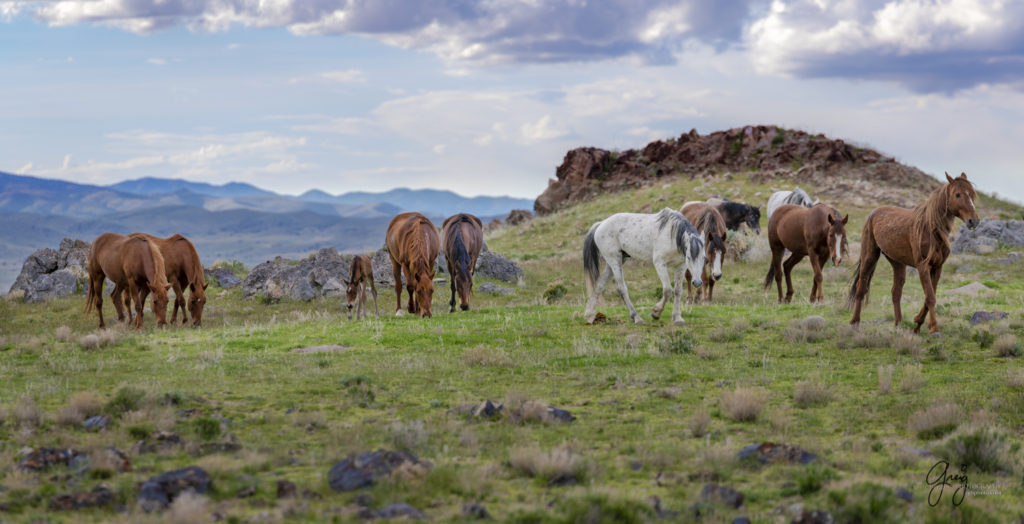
(90, 298)
(770, 277)
(866, 262)
(461, 254)
(591, 260)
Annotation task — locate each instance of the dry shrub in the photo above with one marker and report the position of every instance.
(63, 334)
(1008, 346)
(781, 420)
(410, 472)
(188, 508)
(1015, 379)
(706, 353)
(936, 421)
(743, 404)
(26, 413)
(487, 357)
(908, 344)
(408, 435)
(699, 422)
(885, 377)
(80, 406)
(90, 341)
(912, 378)
(716, 457)
(801, 331)
(561, 465)
(812, 392)
(109, 337)
(865, 337)
(468, 438)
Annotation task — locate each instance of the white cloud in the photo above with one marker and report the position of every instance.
(25, 168)
(348, 76)
(157, 61)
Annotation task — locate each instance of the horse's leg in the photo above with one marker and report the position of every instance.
(96, 283)
(373, 291)
(709, 282)
(591, 310)
(924, 270)
(410, 286)
(361, 302)
(816, 294)
(396, 271)
(666, 288)
(120, 301)
(179, 301)
(899, 277)
(139, 295)
(869, 253)
(689, 287)
(451, 303)
(620, 284)
(776, 270)
(677, 309)
(787, 267)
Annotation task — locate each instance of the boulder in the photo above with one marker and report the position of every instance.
(766, 452)
(99, 496)
(304, 280)
(988, 236)
(366, 468)
(158, 492)
(518, 216)
(225, 278)
(493, 289)
(48, 274)
(40, 459)
(986, 316)
(393, 511)
(721, 494)
(334, 288)
(498, 267)
(60, 283)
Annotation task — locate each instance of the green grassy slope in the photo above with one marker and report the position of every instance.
(652, 401)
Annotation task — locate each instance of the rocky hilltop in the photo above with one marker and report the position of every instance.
(840, 172)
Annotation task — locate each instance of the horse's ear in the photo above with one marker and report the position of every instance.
(963, 175)
(846, 219)
(192, 287)
(831, 220)
(205, 285)
(168, 287)
(949, 178)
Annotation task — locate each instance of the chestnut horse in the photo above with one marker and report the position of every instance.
(816, 233)
(360, 274)
(916, 237)
(413, 244)
(132, 263)
(462, 236)
(184, 270)
(712, 228)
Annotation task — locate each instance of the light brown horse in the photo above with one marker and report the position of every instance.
(817, 233)
(916, 237)
(413, 244)
(184, 271)
(359, 275)
(711, 225)
(132, 263)
(462, 236)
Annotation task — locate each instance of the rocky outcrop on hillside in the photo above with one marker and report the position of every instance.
(988, 236)
(841, 172)
(50, 274)
(302, 280)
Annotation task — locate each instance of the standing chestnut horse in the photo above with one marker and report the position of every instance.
(360, 274)
(184, 270)
(413, 245)
(816, 233)
(916, 237)
(462, 236)
(712, 228)
(132, 263)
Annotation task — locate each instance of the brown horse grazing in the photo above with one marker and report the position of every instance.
(132, 263)
(816, 233)
(711, 225)
(916, 237)
(184, 270)
(413, 245)
(360, 274)
(462, 236)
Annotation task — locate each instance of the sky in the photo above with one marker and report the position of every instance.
(486, 97)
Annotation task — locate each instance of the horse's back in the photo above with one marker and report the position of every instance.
(400, 231)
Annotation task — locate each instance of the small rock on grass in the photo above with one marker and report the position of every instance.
(986, 316)
(42, 458)
(725, 495)
(364, 469)
(99, 496)
(475, 511)
(393, 511)
(766, 452)
(96, 423)
(814, 517)
(158, 492)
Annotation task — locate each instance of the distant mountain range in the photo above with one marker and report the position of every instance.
(232, 221)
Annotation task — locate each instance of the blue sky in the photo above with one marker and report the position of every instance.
(486, 97)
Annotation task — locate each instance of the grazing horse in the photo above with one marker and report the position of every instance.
(413, 245)
(462, 236)
(916, 237)
(666, 237)
(132, 263)
(712, 229)
(816, 233)
(184, 271)
(735, 214)
(796, 197)
(360, 274)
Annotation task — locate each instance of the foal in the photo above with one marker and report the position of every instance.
(359, 275)
(816, 233)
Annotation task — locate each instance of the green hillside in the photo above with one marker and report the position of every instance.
(661, 411)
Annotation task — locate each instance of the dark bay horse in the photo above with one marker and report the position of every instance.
(413, 244)
(184, 271)
(462, 237)
(711, 226)
(359, 275)
(738, 213)
(132, 263)
(817, 233)
(916, 237)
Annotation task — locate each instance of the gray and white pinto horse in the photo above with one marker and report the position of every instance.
(671, 242)
(797, 197)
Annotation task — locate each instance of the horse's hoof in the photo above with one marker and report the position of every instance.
(465, 308)
(400, 313)
(934, 334)
(638, 320)
(679, 322)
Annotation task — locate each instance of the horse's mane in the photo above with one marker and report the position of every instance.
(680, 227)
(932, 221)
(159, 278)
(798, 197)
(711, 222)
(416, 249)
(196, 275)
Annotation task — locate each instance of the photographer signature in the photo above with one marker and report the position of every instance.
(938, 479)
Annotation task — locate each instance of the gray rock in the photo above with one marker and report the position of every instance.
(814, 517)
(60, 283)
(493, 289)
(475, 511)
(986, 316)
(988, 236)
(366, 468)
(905, 495)
(486, 410)
(393, 511)
(766, 452)
(158, 492)
(498, 267)
(721, 494)
(225, 278)
(48, 274)
(304, 280)
(333, 288)
(97, 422)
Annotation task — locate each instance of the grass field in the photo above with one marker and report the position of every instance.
(661, 411)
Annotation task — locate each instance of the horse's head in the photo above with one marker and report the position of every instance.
(160, 302)
(960, 199)
(424, 291)
(196, 301)
(695, 258)
(464, 285)
(351, 295)
(837, 246)
(753, 219)
(715, 249)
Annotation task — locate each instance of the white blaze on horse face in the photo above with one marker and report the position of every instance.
(838, 251)
(716, 266)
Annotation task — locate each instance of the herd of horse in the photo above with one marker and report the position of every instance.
(686, 244)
